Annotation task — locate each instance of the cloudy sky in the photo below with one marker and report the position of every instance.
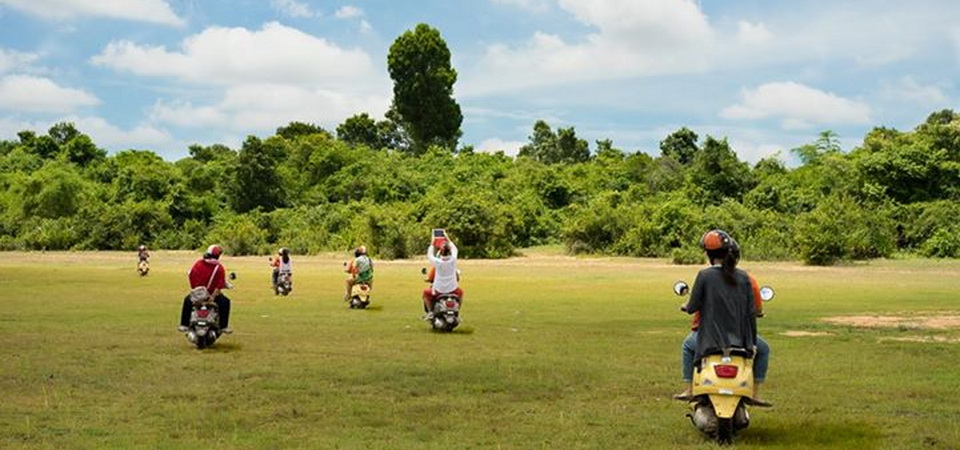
(768, 75)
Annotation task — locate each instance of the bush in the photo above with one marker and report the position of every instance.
(597, 226)
(688, 255)
(840, 229)
(50, 234)
(239, 235)
(945, 243)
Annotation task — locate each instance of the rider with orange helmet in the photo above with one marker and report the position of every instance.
(725, 302)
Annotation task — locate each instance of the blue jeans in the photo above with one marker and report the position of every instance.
(760, 361)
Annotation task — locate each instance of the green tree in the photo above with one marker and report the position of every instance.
(63, 132)
(361, 129)
(256, 181)
(215, 152)
(419, 64)
(550, 148)
(296, 129)
(718, 172)
(680, 145)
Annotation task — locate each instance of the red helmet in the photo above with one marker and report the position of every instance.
(214, 251)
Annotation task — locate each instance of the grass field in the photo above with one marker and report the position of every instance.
(555, 352)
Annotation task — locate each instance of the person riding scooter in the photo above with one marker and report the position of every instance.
(280, 264)
(445, 279)
(210, 274)
(360, 270)
(725, 302)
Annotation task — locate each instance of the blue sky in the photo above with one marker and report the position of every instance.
(768, 75)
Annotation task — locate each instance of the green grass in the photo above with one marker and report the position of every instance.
(554, 352)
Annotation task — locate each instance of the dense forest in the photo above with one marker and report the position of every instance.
(386, 183)
(312, 190)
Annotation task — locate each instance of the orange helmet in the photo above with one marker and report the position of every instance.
(718, 240)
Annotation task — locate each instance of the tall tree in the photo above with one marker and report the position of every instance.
(550, 148)
(423, 78)
(256, 181)
(719, 173)
(294, 129)
(681, 145)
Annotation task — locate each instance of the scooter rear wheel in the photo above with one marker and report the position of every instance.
(725, 431)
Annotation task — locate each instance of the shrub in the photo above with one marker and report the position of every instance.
(239, 235)
(688, 255)
(945, 243)
(840, 229)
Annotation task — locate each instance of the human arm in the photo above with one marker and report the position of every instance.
(453, 249)
(431, 256)
(697, 295)
(757, 300)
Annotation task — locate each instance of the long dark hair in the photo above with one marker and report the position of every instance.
(728, 261)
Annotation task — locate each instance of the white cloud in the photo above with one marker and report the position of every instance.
(511, 148)
(753, 34)
(264, 107)
(632, 37)
(105, 134)
(909, 90)
(101, 132)
(293, 8)
(153, 11)
(348, 12)
(34, 94)
(365, 27)
(797, 105)
(231, 56)
(11, 60)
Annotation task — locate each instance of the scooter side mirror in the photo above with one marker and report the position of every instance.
(233, 275)
(766, 293)
(423, 271)
(681, 288)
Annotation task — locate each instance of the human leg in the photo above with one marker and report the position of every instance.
(185, 312)
(687, 350)
(223, 309)
(349, 284)
(427, 300)
(760, 363)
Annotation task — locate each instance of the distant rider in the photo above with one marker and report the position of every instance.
(444, 279)
(210, 273)
(725, 302)
(142, 254)
(281, 264)
(360, 270)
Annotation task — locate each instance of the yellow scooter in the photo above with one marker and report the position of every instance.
(723, 386)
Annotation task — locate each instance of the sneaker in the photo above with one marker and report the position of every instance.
(183, 329)
(227, 330)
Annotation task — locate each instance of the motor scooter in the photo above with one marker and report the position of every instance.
(204, 328)
(359, 296)
(723, 386)
(446, 307)
(284, 283)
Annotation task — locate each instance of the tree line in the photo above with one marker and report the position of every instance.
(312, 191)
(384, 183)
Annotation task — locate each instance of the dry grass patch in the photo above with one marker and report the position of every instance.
(946, 320)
